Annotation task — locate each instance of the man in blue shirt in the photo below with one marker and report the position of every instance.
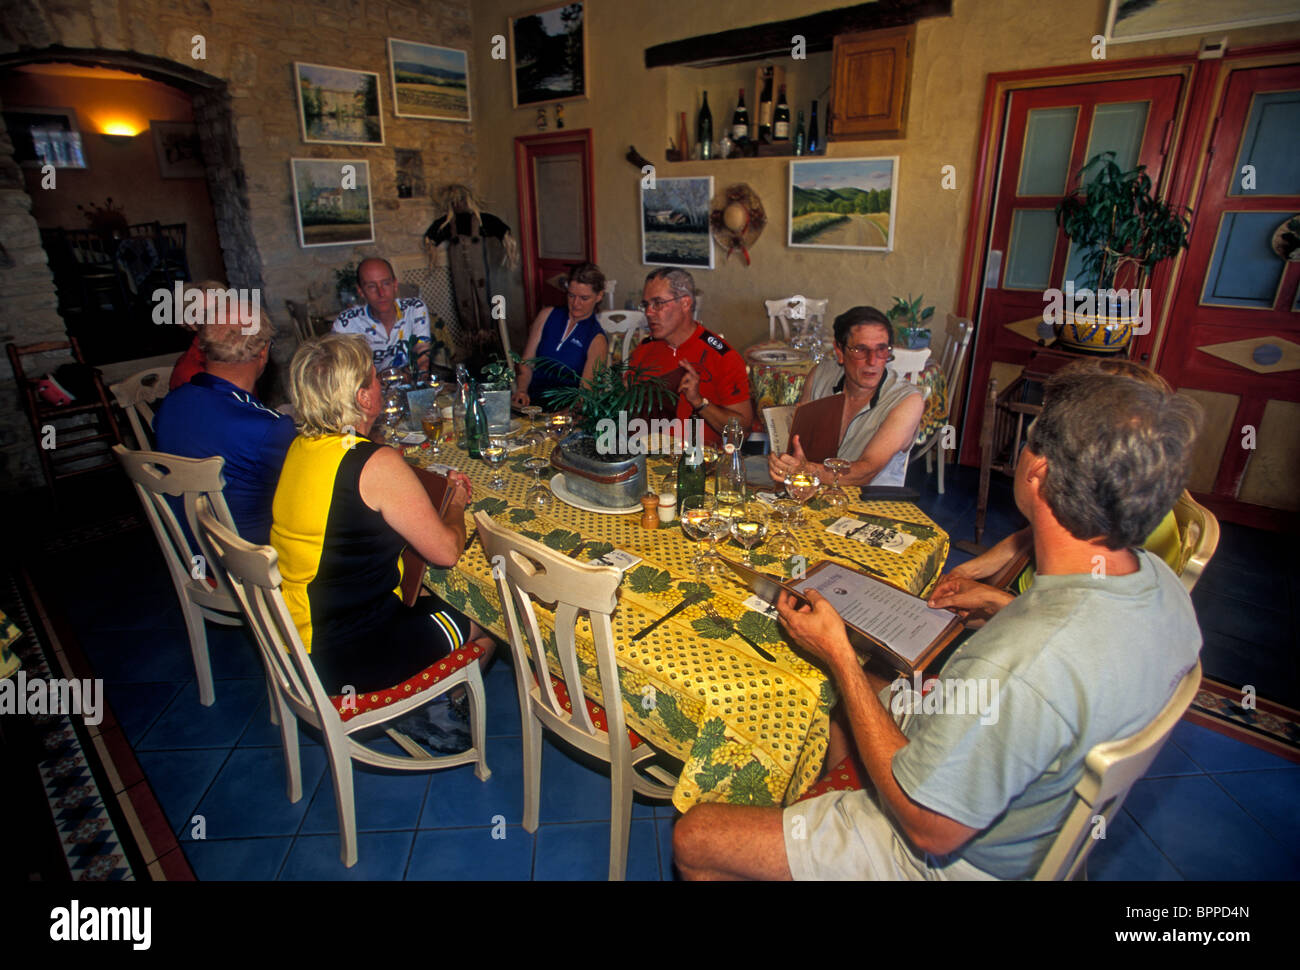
(217, 413)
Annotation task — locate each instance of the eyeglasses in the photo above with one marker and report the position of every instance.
(658, 304)
(879, 353)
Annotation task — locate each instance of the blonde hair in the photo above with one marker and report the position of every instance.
(324, 377)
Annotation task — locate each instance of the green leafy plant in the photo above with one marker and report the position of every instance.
(909, 320)
(1116, 221)
(613, 389)
(498, 372)
(345, 279)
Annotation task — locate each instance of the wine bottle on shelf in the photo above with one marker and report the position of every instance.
(740, 120)
(781, 118)
(814, 143)
(799, 135)
(765, 107)
(704, 129)
(681, 138)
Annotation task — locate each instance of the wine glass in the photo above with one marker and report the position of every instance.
(701, 521)
(834, 496)
(783, 544)
(749, 528)
(494, 453)
(431, 423)
(532, 437)
(802, 485)
(560, 425)
(538, 497)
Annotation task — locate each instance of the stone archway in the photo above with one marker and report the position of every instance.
(26, 284)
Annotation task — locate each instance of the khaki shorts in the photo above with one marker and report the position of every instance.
(845, 835)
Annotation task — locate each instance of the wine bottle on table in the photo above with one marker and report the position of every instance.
(814, 143)
(476, 425)
(740, 120)
(781, 118)
(704, 129)
(799, 135)
(690, 474)
(765, 108)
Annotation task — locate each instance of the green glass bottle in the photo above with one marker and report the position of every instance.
(690, 474)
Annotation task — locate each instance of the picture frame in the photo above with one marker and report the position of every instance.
(843, 203)
(329, 197)
(45, 136)
(675, 227)
(548, 55)
(429, 82)
(1128, 21)
(176, 144)
(338, 106)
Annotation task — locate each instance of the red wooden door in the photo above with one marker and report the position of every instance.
(1233, 340)
(557, 219)
(1051, 133)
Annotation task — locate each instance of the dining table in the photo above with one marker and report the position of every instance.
(747, 730)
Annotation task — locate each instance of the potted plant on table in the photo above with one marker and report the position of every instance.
(498, 376)
(1123, 232)
(597, 466)
(910, 328)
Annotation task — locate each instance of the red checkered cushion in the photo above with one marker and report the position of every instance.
(843, 777)
(596, 712)
(425, 679)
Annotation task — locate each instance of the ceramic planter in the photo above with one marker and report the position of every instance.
(496, 401)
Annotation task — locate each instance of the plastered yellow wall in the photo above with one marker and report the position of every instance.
(630, 105)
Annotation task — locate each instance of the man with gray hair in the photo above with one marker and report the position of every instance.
(218, 413)
(1090, 653)
(707, 374)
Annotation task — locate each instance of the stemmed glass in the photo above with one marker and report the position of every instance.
(749, 527)
(494, 453)
(834, 496)
(431, 423)
(532, 437)
(802, 485)
(783, 544)
(538, 496)
(700, 520)
(560, 425)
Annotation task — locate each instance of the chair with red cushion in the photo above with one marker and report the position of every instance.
(254, 576)
(202, 593)
(527, 571)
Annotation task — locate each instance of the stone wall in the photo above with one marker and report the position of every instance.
(244, 103)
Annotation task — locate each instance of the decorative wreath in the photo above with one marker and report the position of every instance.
(737, 219)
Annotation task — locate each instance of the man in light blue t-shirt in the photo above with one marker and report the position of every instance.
(974, 781)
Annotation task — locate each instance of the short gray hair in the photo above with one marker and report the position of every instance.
(1118, 454)
(680, 282)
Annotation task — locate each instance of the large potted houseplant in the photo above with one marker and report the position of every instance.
(1123, 232)
(598, 464)
(911, 329)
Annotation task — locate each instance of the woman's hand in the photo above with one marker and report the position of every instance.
(520, 399)
(462, 489)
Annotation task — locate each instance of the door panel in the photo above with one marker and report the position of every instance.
(556, 212)
(1051, 133)
(1234, 330)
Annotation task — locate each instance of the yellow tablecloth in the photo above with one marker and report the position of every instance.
(748, 731)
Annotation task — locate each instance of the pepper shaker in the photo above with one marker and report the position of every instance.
(649, 511)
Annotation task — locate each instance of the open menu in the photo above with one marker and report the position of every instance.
(881, 619)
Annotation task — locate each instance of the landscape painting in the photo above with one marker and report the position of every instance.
(332, 199)
(338, 106)
(428, 81)
(1134, 20)
(675, 223)
(548, 55)
(843, 203)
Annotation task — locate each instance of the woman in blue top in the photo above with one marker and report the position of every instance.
(570, 335)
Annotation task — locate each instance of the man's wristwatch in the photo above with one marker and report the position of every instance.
(704, 403)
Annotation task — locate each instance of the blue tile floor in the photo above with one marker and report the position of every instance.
(1211, 808)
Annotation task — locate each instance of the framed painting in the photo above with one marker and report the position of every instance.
(45, 136)
(176, 144)
(428, 82)
(675, 223)
(843, 203)
(1133, 20)
(338, 106)
(548, 55)
(331, 197)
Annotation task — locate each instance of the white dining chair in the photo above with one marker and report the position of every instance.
(793, 314)
(136, 394)
(527, 572)
(624, 329)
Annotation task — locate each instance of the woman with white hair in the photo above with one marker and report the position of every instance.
(344, 509)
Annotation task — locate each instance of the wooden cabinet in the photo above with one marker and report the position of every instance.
(870, 78)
